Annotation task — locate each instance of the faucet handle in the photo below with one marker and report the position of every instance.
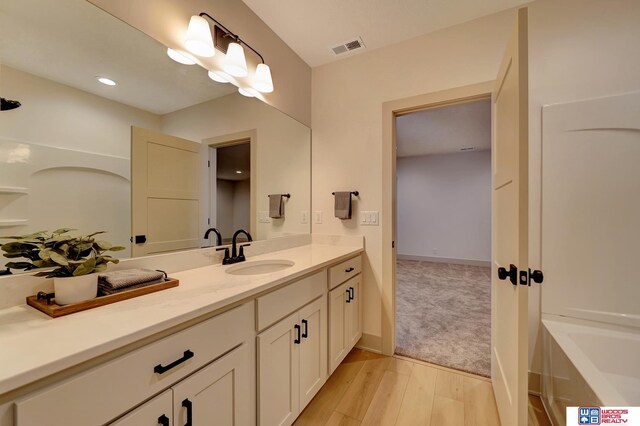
(227, 258)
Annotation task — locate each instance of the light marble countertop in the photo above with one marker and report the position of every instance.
(34, 346)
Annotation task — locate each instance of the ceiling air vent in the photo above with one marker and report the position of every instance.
(348, 46)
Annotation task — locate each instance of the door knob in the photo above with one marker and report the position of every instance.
(512, 274)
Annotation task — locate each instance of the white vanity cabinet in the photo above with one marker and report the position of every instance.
(103, 393)
(345, 313)
(292, 354)
(157, 411)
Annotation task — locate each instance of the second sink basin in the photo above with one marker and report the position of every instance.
(259, 267)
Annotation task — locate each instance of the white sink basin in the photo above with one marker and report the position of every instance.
(259, 267)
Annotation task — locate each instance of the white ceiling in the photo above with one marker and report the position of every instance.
(73, 41)
(445, 130)
(231, 159)
(311, 27)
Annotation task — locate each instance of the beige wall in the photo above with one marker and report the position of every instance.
(167, 21)
(283, 152)
(347, 99)
(578, 49)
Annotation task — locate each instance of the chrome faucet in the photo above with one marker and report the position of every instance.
(236, 255)
(218, 235)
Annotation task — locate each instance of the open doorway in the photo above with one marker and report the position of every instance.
(230, 177)
(443, 220)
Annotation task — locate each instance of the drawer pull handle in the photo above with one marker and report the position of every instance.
(349, 270)
(160, 369)
(163, 420)
(297, 339)
(306, 328)
(189, 406)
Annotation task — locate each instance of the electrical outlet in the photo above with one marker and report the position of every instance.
(435, 251)
(263, 217)
(304, 217)
(317, 217)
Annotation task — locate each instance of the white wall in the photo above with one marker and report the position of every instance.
(444, 206)
(283, 152)
(578, 49)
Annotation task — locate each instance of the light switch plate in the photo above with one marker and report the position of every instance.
(317, 217)
(304, 217)
(369, 218)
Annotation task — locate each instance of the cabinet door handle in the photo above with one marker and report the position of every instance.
(160, 369)
(163, 420)
(189, 406)
(352, 293)
(349, 295)
(297, 339)
(306, 328)
(349, 270)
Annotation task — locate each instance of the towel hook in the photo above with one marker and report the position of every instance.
(356, 193)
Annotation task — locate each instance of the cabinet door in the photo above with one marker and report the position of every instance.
(218, 393)
(158, 411)
(354, 312)
(313, 349)
(278, 380)
(337, 326)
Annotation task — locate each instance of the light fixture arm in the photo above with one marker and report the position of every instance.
(232, 34)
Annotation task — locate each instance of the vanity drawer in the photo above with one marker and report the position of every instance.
(280, 303)
(343, 271)
(104, 392)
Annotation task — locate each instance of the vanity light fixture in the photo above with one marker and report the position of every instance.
(199, 41)
(247, 91)
(180, 57)
(107, 81)
(218, 76)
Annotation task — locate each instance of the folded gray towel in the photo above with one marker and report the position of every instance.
(343, 205)
(276, 206)
(127, 278)
(104, 290)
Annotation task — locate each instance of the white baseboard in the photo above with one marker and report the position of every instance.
(370, 343)
(470, 262)
(535, 383)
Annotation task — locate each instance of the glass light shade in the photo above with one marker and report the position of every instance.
(106, 81)
(248, 92)
(218, 76)
(180, 57)
(198, 40)
(234, 63)
(262, 79)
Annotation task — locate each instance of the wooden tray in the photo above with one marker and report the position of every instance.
(54, 310)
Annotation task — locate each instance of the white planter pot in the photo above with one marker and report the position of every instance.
(75, 289)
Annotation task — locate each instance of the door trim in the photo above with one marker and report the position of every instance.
(236, 138)
(391, 110)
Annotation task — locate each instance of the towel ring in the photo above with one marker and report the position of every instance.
(356, 193)
(284, 195)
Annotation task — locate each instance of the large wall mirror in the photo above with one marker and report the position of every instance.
(164, 154)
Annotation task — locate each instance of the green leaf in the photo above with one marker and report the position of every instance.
(101, 267)
(116, 248)
(104, 245)
(20, 265)
(62, 231)
(86, 268)
(58, 258)
(45, 254)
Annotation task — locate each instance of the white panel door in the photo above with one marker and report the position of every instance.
(219, 393)
(158, 411)
(278, 374)
(509, 307)
(165, 192)
(337, 326)
(591, 209)
(313, 349)
(353, 329)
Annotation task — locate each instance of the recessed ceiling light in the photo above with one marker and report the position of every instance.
(239, 172)
(107, 81)
(180, 57)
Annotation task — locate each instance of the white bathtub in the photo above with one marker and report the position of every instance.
(588, 363)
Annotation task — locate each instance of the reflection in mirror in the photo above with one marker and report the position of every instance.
(69, 156)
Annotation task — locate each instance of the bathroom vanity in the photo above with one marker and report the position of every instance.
(223, 347)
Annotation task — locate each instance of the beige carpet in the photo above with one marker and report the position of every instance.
(444, 314)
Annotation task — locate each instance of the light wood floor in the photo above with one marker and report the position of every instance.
(373, 389)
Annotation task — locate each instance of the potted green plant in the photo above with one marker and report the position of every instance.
(76, 261)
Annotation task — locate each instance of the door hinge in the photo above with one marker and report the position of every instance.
(393, 244)
(208, 163)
